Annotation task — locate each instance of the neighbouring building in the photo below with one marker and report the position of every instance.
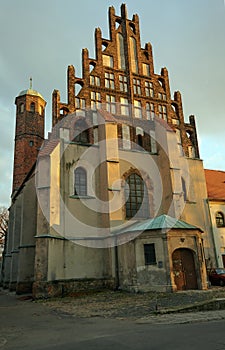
(116, 196)
(215, 181)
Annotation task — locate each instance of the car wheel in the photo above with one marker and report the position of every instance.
(221, 283)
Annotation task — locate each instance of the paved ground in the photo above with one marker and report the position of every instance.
(110, 320)
(122, 305)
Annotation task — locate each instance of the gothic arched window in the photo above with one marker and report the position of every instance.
(136, 197)
(80, 182)
(133, 54)
(121, 53)
(220, 221)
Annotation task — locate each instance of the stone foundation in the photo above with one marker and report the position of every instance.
(12, 286)
(63, 288)
(24, 287)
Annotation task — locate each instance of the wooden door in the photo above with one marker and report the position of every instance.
(223, 257)
(184, 269)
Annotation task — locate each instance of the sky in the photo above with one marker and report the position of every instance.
(41, 38)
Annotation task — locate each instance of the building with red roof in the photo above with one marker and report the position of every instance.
(215, 182)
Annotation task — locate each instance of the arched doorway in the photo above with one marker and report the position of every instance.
(184, 269)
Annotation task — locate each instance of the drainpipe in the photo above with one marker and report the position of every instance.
(117, 276)
(116, 257)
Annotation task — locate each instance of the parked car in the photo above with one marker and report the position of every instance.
(217, 276)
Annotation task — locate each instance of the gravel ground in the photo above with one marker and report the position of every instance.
(122, 305)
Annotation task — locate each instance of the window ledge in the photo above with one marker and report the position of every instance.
(137, 151)
(81, 197)
(112, 161)
(114, 189)
(82, 144)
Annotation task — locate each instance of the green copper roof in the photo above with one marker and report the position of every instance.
(31, 92)
(159, 223)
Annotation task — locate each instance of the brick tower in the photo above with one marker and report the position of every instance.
(29, 134)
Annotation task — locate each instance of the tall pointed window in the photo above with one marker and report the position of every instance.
(80, 182)
(133, 55)
(120, 50)
(136, 197)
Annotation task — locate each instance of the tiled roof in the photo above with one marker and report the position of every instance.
(215, 182)
(48, 147)
(159, 223)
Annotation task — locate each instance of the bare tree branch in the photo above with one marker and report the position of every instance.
(4, 220)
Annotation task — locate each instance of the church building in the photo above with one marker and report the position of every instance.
(116, 196)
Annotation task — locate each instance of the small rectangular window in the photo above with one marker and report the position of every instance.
(126, 136)
(95, 100)
(149, 252)
(32, 107)
(162, 112)
(149, 92)
(137, 109)
(123, 83)
(191, 152)
(22, 108)
(178, 135)
(150, 111)
(175, 121)
(80, 103)
(94, 80)
(137, 86)
(124, 106)
(153, 141)
(111, 104)
(162, 96)
(109, 80)
(107, 61)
